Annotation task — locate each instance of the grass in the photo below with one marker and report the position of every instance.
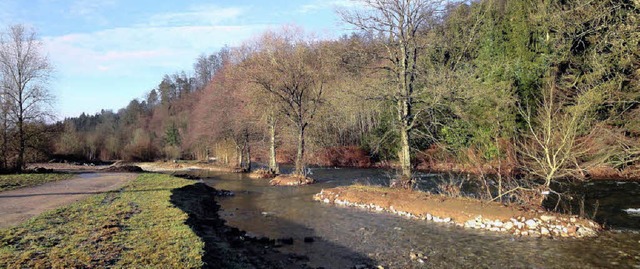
(12, 182)
(134, 227)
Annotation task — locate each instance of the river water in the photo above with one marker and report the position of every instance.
(346, 237)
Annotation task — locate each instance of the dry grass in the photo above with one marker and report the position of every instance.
(134, 227)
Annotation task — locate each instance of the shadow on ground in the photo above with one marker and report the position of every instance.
(227, 247)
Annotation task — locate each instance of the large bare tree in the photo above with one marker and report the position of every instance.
(399, 23)
(295, 79)
(25, 71)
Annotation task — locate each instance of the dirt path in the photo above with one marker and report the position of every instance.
(19, 205)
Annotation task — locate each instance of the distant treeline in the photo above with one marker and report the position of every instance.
(544, 88)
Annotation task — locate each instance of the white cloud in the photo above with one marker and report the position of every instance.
(197, 15)
(164, 40)
(323, 4)
(126, 50)
(91, 10)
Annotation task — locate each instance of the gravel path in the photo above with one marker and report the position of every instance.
(20, 205)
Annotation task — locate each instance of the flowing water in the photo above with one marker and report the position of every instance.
(346, 237)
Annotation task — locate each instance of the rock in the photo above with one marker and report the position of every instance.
(429, 217)
(547, 218)
(544, 231)
(531, 224)
(586, 232)
(413, 256)
(573, 220)
(286, 241)
(498, 224)
(447, 220)
(470, 224)
(508, 225)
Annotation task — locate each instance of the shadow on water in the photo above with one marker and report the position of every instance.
(228, 247)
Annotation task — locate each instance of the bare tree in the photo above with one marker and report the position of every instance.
(298, 81)
(399, 23)
(558, 142)
(257, 68)
(26, 72)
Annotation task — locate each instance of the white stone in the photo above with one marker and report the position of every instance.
(498, 223)
(547, 218)
(508, 225)
(429, 217)
(544, 231)
(470, 224)
(532, 224)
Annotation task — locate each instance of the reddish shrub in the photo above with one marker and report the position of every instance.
(350, 156)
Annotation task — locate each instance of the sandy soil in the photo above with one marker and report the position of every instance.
(19, 205)
(291, 180)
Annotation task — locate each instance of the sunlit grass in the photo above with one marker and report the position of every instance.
(16, 181)
(134, 227)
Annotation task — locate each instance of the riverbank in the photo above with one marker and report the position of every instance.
(155, 221)
(462, 212)
(182, 166)
(17, 181)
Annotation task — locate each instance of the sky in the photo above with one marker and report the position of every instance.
(108, 52)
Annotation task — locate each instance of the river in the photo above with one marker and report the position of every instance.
(346, 237)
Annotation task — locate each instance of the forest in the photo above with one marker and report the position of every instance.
(540, 90)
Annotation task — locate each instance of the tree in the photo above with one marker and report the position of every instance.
(298, 81)
(4, 117)
(557, 143)
(206, 66)
(257, 68)
(25, 71)
(399, 23)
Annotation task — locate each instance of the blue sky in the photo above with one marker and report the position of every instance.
(107, 52)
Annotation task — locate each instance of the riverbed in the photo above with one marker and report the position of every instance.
(348, 237)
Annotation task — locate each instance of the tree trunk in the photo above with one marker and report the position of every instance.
(405, 153)
(300, 155)
(248, 161)
(273, 165)
(21, 149)
(239, 152)
(5, 139)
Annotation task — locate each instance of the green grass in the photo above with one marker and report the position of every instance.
(136, 227)
(12, 182)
